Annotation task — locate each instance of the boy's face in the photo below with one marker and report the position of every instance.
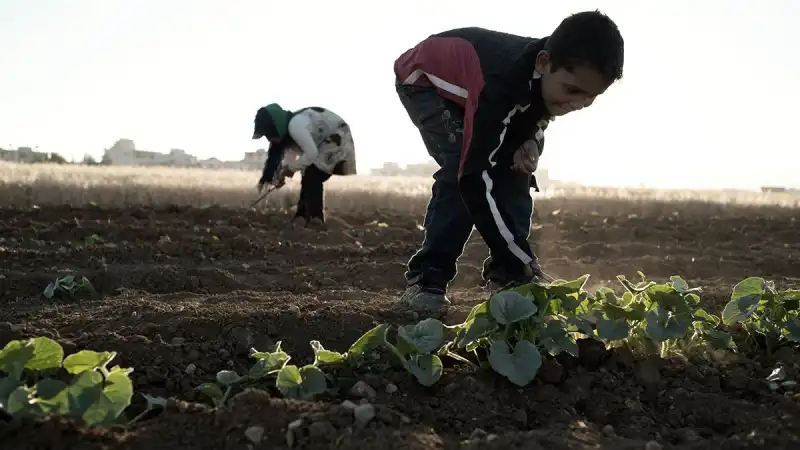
(568, 89)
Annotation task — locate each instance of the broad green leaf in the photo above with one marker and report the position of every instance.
(271, 362)
(718, 339)
(581, 324)
(116, 396)
(635, 288)
(52, 397)
(663, 325)
(274, 360)
(668, 298)
(634, 312)
(47, 355)
(509, 307)
(570, 286)
(87, 360)
(258, 370)
(15, 356)
(425, 337)
(602, 291)
(791, 294)
(49, 388)
(680, 285)
(84, 391)
(475, 329)
(289, 377)
(745, 299)
(7, 386)
(228, 377)
(478, 310)
(612, 329)
(703, 316)
(50, 290)
(793, 329)
(790, 300)
(325, 356)
(371, 339)
(301, 383)
(534, 290)
(212, 390)
(427, 369)
(482, 342)
(555, 339)
(519, 366)
(566, 294)
(20, 402)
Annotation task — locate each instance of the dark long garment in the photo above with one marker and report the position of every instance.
(311, 204)
(312, 196)
(500, 203)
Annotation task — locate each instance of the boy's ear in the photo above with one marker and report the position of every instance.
(543, 62)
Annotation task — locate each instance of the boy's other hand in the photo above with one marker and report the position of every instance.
(537, 269)
(526, 158)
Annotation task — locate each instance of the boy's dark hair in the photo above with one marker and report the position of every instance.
(588, 38)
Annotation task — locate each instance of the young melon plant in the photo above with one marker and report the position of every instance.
(512, 329)
(294, 382)
(771, 318)
(69, 286)
(31, 383)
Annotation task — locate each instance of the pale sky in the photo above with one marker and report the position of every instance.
(707, 98)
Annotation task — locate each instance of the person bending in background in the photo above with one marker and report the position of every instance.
(312, 140)
(481, 100)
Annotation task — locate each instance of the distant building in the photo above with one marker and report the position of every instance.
(394, 169)
(767, 189)
(25, 155)
(124, 153)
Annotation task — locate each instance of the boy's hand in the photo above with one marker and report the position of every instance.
(526, 158)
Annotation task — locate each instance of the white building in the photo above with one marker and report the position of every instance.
(124, 153)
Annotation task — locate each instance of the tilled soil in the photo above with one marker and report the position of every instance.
(184, 287)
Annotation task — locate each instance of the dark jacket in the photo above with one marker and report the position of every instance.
(490, 74)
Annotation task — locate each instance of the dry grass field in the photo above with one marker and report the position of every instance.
(189, 280)
(45, 184)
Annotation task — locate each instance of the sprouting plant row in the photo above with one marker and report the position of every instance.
(507, 333)
(33, 384)
(510, 331)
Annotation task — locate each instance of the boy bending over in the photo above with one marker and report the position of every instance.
(481, 100)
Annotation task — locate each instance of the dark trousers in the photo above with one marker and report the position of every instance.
(448, 221)
(311, 203)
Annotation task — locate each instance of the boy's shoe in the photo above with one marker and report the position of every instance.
(421, 298)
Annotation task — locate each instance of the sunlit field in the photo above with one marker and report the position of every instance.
(44, 184)
(140, 261)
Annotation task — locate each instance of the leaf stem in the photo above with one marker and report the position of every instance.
(139, 416)
(225, 396)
